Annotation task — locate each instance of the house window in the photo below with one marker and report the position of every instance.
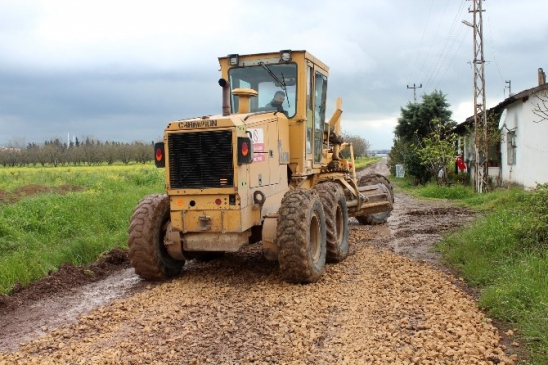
(511, 147)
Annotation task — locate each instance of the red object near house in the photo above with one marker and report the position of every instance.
(460, 163)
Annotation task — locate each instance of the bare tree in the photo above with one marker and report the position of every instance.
(540, 108)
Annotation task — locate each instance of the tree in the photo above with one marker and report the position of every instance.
(541, 106)
(416, 124)
(437, 150)
(407, 155)
(143, 152)
(360, 145)
(54, 152)
(417, 120)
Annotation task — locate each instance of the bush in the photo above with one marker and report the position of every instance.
(533, 234)
(462, 179)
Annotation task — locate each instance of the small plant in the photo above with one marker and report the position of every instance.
(462, 178)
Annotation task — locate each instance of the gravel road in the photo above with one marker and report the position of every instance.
(387, 303)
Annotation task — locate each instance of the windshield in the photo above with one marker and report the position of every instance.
(276, 85)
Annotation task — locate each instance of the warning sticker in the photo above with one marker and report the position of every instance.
(257, 135)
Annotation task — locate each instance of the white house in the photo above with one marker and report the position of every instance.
(524, 131)
(522, 120)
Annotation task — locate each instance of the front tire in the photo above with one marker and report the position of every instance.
(336, 220)
(147, 230)
(376, 218)
(301, 236)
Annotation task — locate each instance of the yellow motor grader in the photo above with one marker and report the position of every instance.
(267, 170)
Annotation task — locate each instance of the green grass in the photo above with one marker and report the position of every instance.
(39, 233)
(461, 194)
(504, 253)
(363, 162)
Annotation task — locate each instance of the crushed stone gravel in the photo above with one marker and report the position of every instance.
(376, 307)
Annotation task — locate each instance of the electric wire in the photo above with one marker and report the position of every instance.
(413, 68)
(493, 49)
(433, 38)
(443, 55)
(467, 30)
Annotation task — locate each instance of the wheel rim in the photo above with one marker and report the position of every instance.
(315, 238)
(162, 250)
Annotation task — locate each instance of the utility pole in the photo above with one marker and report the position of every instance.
(481, 142)
(414, 91)
(509, 87)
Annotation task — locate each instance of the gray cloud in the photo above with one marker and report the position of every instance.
(122, 76)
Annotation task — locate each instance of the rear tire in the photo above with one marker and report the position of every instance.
(376, 218)
(336, 220)
(147, 229)
(301, 236)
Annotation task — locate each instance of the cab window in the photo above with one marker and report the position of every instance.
(320, 96)
(267, 80)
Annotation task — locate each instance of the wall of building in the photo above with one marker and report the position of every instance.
(530, 144)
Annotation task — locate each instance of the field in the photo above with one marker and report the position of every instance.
(49, 216)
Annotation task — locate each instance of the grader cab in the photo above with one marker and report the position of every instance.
(267, 170)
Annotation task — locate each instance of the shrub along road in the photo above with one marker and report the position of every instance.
(388, 303)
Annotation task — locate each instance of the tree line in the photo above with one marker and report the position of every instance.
(54, 152)
(91, 151)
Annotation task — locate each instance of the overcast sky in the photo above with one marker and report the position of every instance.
(120, 70)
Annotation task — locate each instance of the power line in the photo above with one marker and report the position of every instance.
(422, 40)
(453, 58)
(443, 55)
(493, 49)
(433, 39)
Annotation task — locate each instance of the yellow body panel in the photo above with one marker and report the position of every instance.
(290, 147)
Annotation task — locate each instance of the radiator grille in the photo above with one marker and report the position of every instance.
(201, 160)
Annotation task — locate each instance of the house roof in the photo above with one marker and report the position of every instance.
(521, 96)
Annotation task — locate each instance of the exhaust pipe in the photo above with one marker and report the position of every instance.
(226, 96)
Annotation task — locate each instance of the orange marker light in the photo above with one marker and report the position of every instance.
(180, 202)
(159, 154)
(245, 149)
(159, 158)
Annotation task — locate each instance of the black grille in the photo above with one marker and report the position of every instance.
(201, 160)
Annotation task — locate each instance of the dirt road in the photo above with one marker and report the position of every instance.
(388, 303)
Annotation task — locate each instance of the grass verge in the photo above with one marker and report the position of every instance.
(363, 162)
(40, 232)
(505, 254)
